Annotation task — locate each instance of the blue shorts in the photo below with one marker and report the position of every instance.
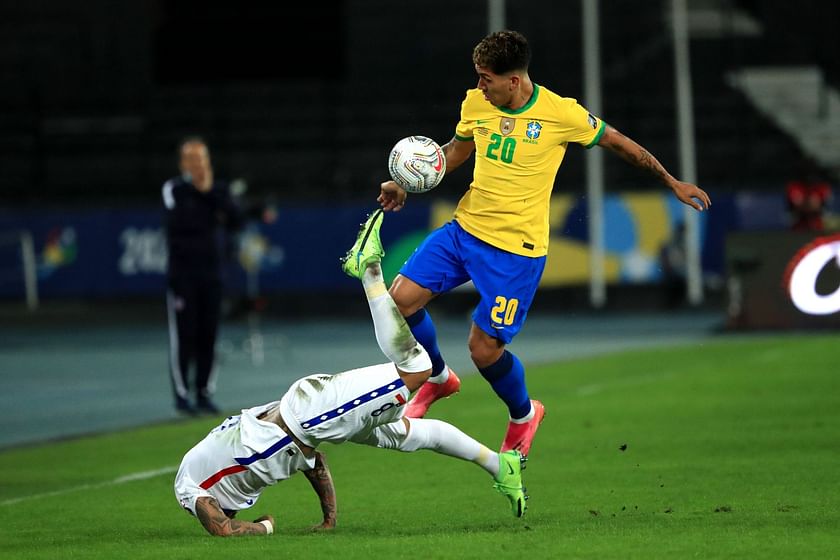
(506, 282)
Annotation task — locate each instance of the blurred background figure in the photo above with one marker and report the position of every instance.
(201, 214)
(807, 197)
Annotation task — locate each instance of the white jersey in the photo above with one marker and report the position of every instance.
(243, 455)
(237, 460)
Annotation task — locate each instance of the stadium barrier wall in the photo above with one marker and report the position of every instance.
(121, 252)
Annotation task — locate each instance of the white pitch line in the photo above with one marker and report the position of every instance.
(142, 475)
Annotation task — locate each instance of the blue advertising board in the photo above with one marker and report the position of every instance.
(122, 252)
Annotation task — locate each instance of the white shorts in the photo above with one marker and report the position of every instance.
(344, 406)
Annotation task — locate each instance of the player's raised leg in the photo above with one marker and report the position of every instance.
(363, 261)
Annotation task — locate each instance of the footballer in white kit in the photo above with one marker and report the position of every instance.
(227, 470)
(245, 453)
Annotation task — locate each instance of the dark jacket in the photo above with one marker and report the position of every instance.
(199, 226)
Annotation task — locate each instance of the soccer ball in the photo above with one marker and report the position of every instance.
(417, 164)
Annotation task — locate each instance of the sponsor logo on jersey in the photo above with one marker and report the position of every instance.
(593, 122)
(507, 125)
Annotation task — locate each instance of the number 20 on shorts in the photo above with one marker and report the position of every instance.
(504, 311)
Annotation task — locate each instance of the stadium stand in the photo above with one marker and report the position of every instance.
(87, 118)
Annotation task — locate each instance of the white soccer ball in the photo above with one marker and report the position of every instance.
(417, 164)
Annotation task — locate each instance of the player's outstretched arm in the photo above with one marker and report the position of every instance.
(392, 197)
(220, 525)
(633, 153)
(456, 152)
(321, 480)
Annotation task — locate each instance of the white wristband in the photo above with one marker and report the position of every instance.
(269, 528)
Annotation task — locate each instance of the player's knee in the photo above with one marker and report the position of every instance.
(410, 435)
(416, 368)
(409, 296)
(389, 436)
(423, 433)
(400, 296)
(485, 351)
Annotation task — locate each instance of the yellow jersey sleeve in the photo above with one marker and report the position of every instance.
(464, 129)
(582, 127)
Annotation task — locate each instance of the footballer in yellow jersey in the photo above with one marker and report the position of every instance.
(498, 237)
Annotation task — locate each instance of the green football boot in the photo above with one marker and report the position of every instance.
(367, 249)
(509, 481)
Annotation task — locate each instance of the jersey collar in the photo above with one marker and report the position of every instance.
(525, 107)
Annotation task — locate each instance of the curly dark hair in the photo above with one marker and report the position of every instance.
(502, 52)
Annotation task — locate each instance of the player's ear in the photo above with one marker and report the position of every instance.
(514, 81)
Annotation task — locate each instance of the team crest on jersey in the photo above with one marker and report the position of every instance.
(506, 126)
(533, 130)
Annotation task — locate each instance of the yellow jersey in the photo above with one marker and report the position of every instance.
(517, 155)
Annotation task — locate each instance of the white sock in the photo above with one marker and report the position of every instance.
(446, 439)
(525, 419)
(441, 377)
(392, 332)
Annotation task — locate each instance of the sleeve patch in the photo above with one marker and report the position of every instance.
(603, 127)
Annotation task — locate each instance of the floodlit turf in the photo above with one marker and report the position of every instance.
(728, 449)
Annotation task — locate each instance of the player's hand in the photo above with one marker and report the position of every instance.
(690, 194)
(327, 525)
(391, 196)
(268, 518)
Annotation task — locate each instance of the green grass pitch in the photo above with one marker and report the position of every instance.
(726, 449)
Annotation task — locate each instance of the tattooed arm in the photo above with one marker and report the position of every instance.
(220, 525)
(321, 481)
(633, 153)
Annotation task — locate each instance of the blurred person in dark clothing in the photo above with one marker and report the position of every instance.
(201, 217)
